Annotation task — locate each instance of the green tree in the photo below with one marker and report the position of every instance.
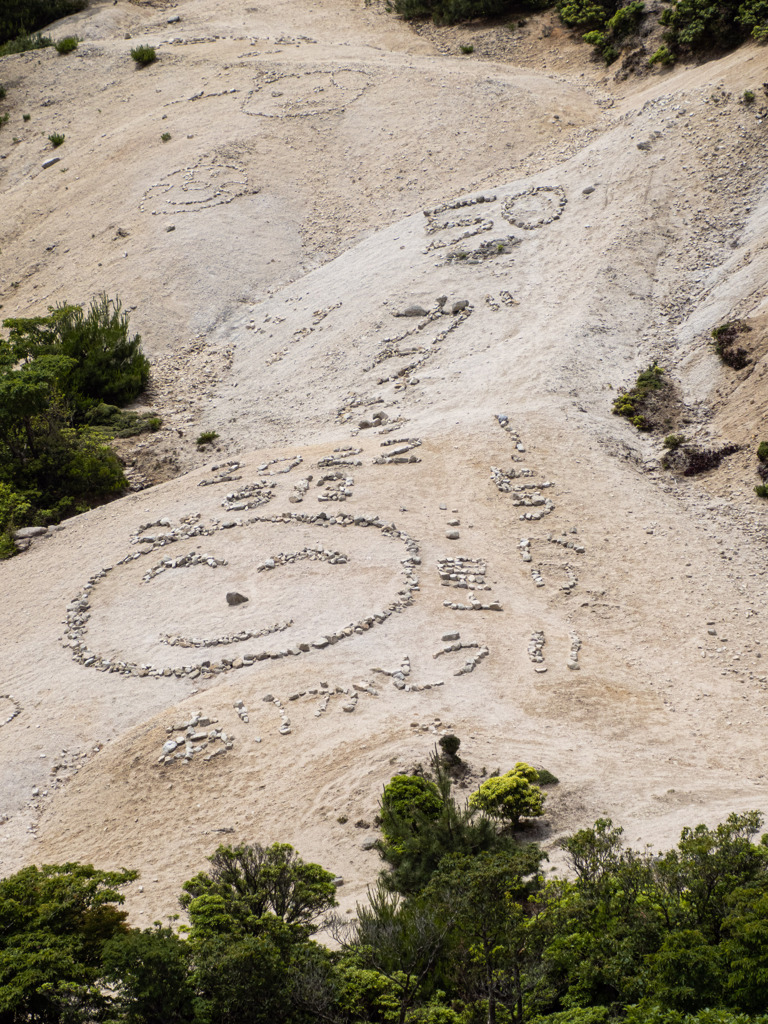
(401, 940)
(448, 12)
(687, 973)
(700, 877)
(422, 823)
(14, 509)
(410, 800)
(488, 898)
(242, 980)
(56, 372)
(746, 950)
(512, 796)
(108, 365)
(246, 883)
(53, 923)
(149, 972)
(698, 25)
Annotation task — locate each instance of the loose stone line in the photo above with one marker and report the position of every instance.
(571, 544)
(502, 418)
(304, 94)
(489, 249)
(398, 455)
(475, 226)
(15, 709)
(474, 606)
(458, 204)
(536, 651)
(292, 460)
(223, 641)
(192, 737)
(250, 496)
(471, 663)
(340, 457)
(504, 481)
(434, 225)
(459, 311)
(300, 488)
(318, 554)
(224, 473)
(182, 563)
(398, 675)
(195, 188)
(340, 487)
(573, 659)
(463, 573)
(459, 646)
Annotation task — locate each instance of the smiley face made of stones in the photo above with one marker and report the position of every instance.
(374, 577)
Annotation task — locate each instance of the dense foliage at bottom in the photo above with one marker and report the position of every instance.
(476, 936)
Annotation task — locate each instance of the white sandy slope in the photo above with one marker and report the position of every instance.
(663, 724)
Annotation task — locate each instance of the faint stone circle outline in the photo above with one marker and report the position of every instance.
(293, 107)
(556, 205)
(224, 191)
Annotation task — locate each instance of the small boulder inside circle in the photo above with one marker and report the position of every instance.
(234, 598)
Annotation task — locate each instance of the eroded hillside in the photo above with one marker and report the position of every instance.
(405, 287)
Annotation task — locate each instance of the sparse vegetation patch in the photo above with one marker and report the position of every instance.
(633, 404)
(725, 344)
(25, 42)
(700, 460)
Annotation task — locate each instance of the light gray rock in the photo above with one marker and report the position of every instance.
(29, 531)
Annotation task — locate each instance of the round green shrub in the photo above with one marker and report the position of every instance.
(67, 44)
(144, 55)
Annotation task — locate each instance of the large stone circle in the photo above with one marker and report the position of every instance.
(370, 577)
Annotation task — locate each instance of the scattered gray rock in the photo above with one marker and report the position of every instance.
(233, 598)
(50, 162)
(30, 531)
